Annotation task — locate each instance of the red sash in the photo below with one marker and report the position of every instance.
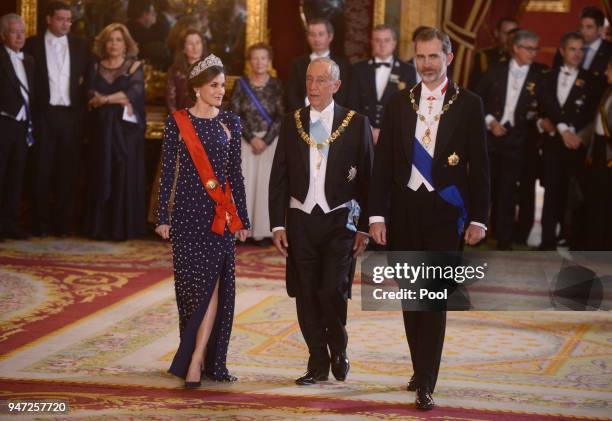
(225, 209)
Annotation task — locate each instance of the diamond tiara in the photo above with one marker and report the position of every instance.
(210, 61)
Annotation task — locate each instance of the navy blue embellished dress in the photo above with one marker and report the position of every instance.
(200, 256)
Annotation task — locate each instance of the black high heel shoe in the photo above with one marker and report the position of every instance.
(194, 385)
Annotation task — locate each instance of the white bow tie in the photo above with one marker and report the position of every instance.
(518, 73)
(19, 55)
(567, 71)
(315, 116)
(58, 42)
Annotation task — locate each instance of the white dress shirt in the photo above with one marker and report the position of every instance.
(589, 53)
(416, 178)
(58, 67)
(313, 56)
(516, 79)
(17, 61)
(382, 75)
(565, 82)
(599, 128)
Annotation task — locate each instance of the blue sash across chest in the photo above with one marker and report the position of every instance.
(450, 194)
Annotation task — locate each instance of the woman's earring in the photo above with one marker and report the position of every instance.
(197, 94)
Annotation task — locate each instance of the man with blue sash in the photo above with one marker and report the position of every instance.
(318, 214)
(430, 186)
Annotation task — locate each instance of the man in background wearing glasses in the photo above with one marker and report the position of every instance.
(509, 91)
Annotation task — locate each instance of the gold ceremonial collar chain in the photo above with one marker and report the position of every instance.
(312, 143)
(445, 108)
(426, 138)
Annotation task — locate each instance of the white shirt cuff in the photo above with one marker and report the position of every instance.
(539, 125)
(478, 224)
(374, 219)
(278, 229)
(489, 119)
(562, 127)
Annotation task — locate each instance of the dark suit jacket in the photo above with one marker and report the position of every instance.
(580, 106)
(79, 61)
(484, 60)
(290, 176)
(599, 63)
(11, 99)
(493, 87)
(296, 88)
(461, 131)
(362, 95)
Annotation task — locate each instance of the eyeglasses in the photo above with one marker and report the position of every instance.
(532, 50)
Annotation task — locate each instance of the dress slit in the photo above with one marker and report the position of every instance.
(182, 358)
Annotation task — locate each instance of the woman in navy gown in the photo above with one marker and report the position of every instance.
(116, 205)
(204, 261)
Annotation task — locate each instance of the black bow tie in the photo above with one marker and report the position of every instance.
(377, 65)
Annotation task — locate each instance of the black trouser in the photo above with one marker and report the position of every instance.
(560, 166)
(422, 221)
(13, 154)
(507, 159)
(320, 249)
(599, 198)
(526, 193)
(57, 163)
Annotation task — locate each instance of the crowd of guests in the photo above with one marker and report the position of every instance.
(546, 124)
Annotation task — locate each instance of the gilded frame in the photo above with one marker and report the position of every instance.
(554, 6)
(256, 31)
(413, 13)
(28, 10)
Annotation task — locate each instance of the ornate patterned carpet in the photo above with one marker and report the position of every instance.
(96, 323)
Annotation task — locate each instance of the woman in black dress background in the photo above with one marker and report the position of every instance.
(116, 204)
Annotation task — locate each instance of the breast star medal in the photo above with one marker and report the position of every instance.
(352, 173)
(453, 159)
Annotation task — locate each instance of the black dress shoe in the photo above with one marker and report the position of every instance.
(340, 366)
(412, 384)
(311, 377)
(423, 400)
